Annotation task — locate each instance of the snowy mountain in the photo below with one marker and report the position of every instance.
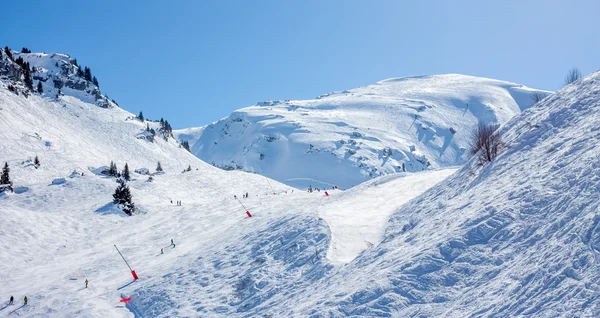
(59, 226)
(53, 73)
(345, 138)
(517, 237)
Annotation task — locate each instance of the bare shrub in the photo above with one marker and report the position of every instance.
(486, 142)
(573, 75)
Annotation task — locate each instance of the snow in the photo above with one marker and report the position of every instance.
(346, 138)
(516, 237)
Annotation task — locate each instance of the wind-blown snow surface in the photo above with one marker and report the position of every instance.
(517, 237)
(345, 138)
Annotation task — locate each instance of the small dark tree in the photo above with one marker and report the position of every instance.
(159, 167)
(112, 169)
(573, 75)
(186, 145)
(80, 72)
(5, 177)
(87, 74)
(8, 53)
(125, 173)
(27, 78)
(36, 161)
(95, 81)
(74, 62)
(25, 50)
(141, 116)
(486, 142)
(122, 197)
(40, 89)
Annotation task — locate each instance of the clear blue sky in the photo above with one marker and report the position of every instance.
(193, 62)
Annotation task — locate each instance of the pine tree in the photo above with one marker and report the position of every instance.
(5, 178)
(141, 116)
(36, 161)
(95, 81)
(112, 170)
(125, 173)
(8, 53)
(25, 50)
(80, 72)
(159, 167)
(186, 145)
(27, 78)
(122, 197)
(40, 89)
(87, 74)
(148, 127)
(74, 62)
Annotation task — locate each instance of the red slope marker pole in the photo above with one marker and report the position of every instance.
(247, 212)
(135, 276)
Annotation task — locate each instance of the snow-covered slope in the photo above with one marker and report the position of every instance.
(517, 237)
(345, 138)
(59, 226)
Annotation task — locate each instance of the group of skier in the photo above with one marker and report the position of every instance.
(12, 300)
(178, 202)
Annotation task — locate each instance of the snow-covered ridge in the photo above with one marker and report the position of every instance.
(345, 138)
(54, 73)
(516, 237)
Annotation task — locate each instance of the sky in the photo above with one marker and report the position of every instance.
(194, 62)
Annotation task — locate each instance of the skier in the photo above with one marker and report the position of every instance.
(246, 195)
(12, 299)
(171, 201)
(25, 300)
(172, 244)
(161, 251)
(86, 282)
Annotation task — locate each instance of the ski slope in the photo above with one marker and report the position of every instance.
(345, 138)
(518, 237)
(59, 227)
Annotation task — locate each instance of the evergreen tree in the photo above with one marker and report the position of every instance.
(40, 89)
(74, 61)
(141, 116)
(125, 173)
(112, 170)
(5, 178)
(25, 50)
(95, 81)
(186, 145)
(147, 127)
(122, 197)
(36, 161)
(80, 72)
(87, 74)
(27, 78)
(159, 167)
(8, 53)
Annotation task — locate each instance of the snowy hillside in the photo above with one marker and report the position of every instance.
(53, 74)
(345, 138)
(517, 237)
(59, 226)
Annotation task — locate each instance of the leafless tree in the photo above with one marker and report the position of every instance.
(486, 142)
(573, 75)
